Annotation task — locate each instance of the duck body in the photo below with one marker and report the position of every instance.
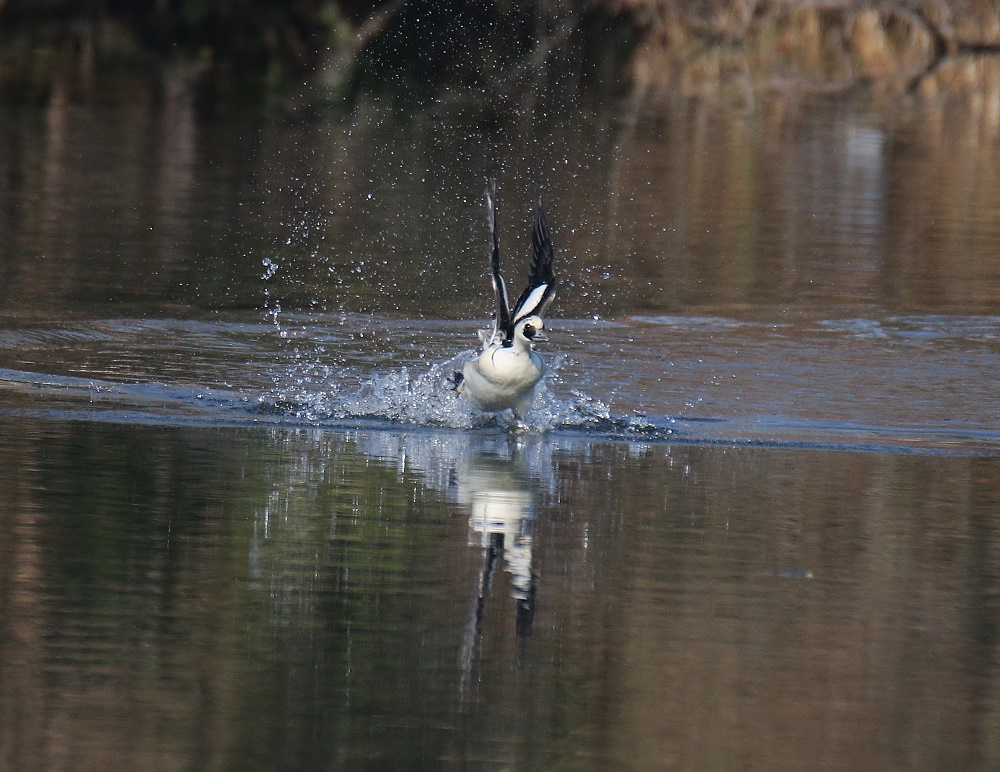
(505, 374)
(503, 377)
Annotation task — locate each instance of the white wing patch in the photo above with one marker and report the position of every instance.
(531, 303)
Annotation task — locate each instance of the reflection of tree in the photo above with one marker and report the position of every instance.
(807, 203)
(707, 204)
(118, 176)
(233, 36)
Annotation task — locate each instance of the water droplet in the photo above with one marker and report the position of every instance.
(270, 268)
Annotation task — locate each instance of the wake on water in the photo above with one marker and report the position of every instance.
(323, 396)
(422, 398)
(178, 372)
(425, 399)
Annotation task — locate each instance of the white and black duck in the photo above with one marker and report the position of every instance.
(505, 374)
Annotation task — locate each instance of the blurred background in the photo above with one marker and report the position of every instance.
(243, 50)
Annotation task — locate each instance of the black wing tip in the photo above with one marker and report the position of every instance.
(542, 252)
(541, 273)
(541, 229)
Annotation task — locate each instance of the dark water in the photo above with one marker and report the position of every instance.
(751, 522)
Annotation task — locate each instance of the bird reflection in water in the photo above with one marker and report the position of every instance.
(501, 504)
(495, 481)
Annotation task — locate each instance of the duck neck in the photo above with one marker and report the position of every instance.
(521, 345)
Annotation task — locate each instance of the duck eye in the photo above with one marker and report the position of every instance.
(529, 331)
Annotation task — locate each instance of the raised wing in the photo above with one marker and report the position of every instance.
(503, 318)
(541, 289)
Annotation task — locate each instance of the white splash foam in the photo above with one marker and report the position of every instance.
(427, 399)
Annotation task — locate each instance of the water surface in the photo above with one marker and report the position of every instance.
(751, 522)
(289, 597)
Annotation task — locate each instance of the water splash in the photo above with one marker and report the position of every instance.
(424, 398)
(272, 305)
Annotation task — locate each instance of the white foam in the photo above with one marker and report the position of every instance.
(426, 398)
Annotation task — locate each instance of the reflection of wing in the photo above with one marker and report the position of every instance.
(541, 287)
(502, 321)
(474, 624)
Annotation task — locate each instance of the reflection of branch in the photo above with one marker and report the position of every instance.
(374, 25)
(531, 63)
(513, 82)
(940, 30)
(942, 33)
(942, 39)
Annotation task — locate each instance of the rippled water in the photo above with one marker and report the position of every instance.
(292, 597)
(751, 522)
(916, 382)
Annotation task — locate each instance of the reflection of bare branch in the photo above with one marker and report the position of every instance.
(372, 27)
(514, 82)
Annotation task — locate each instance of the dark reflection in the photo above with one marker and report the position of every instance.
(117, 52)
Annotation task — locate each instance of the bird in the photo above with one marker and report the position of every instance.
(504, 375)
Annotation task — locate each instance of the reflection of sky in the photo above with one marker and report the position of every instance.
(864, 180)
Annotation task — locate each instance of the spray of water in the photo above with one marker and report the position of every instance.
(423, 398)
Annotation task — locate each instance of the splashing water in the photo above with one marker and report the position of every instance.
(272, 306)
(425, 399)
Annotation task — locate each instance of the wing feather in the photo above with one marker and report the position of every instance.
(502, 322)
(541, 289)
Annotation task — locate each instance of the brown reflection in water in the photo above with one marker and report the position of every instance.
(943, 215)
(796, 201)
(95, 669)
(99, 198)
(224, 598)
(809, 202)
(21, 638)
(792, 201)
(824, 619)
